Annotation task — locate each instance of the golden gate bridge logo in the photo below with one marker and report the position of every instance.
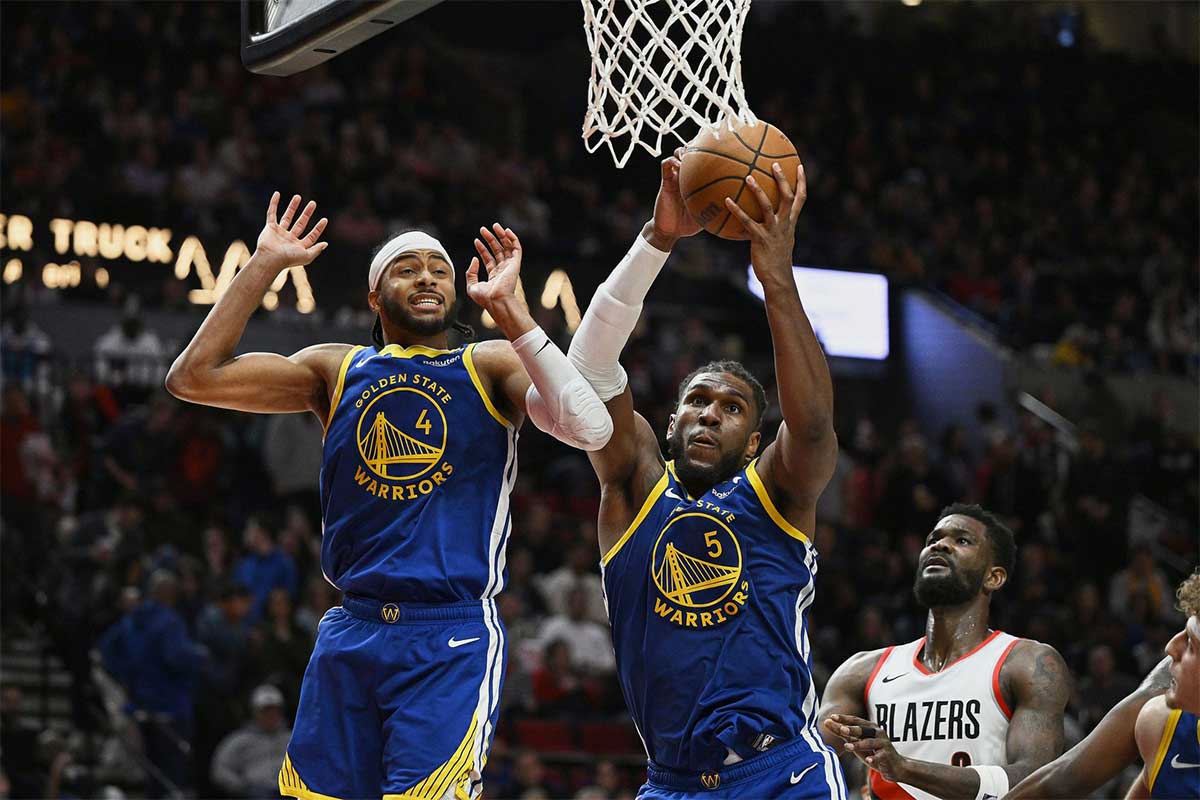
(393, 453)
(696, 564)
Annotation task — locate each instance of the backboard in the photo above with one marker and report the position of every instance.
(283, 37)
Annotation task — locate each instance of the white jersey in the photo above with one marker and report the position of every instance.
(956, 716)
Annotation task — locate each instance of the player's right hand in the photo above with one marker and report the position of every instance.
(284, 244)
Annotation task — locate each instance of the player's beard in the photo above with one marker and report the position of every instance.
(951, 588)
(399, 313)
(692, 474)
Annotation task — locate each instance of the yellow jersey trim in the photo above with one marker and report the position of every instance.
(655, 493)
(413, 350)
(452, 773)
(290, 784)
(1164, 744)
(469, 361)
(671, 469)
(337, 387)
(760, 489)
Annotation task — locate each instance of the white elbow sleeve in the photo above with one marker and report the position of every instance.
(993, 782)
(611, 317)
(560, 401)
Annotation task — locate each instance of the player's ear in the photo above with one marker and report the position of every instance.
(752, 445)
(671, 426)
(996, 578)
(373, 300)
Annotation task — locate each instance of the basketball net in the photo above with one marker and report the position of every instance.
(658, 65)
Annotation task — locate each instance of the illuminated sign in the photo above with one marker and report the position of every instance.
(138, 243)
(848, 310)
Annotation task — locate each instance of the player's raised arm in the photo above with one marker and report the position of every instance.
(610, 319)
(533, 376)
(207, 371)
(799, 463)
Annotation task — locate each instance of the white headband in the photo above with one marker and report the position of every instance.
(404, 243)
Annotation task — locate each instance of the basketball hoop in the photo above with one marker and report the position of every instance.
(658, 65)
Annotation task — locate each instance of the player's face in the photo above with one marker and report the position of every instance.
(953, 563)
(712, 432)
(1184, 650)
(416, 293)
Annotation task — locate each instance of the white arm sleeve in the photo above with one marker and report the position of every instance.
(611, 318)
(560, 402)
(993, 782)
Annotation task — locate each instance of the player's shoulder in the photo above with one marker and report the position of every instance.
(325, 358)
(858, 667)
(1036, 668)
(1151, 721)
(494, 357)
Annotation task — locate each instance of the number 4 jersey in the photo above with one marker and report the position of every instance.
(957, 716)
(415, 480)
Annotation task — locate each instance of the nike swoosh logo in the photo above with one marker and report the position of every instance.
(797, 778)
(545, 344)
(1177, 764)
(460, 642)
(671, 493)
(891, 678)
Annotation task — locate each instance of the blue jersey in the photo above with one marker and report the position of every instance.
(415, 478)
(709, 599)
(1175, 771)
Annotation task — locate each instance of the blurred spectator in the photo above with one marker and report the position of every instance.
(577, 573)
(1141, 579)
(26, 349)
(130, 356)
(246, 762)
(151, 655)
(590, 650)
(292, 456)
(1102, 686)
(18, 747)
(281, 646)
(265, 566)
(528, 780)
(559, 689)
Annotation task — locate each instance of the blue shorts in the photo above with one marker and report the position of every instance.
(398, 701)
(802, 769)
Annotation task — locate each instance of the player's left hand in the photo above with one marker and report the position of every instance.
(500, 256)
(869, 742)
(671, 218)
(773, 240)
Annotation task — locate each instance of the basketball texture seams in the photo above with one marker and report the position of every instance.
(712, 165)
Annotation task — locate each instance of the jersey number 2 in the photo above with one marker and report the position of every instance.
(960, 759)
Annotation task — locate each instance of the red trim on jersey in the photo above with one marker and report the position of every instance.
(887, 790)
(921, 667)
(996, 679)
(871, 679)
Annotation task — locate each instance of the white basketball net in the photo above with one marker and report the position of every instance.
(657, 64)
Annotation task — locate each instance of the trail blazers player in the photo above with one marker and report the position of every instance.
(964, 711)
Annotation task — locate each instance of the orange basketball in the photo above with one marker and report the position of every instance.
(715, 167)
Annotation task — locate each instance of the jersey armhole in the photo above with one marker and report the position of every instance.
(768, 504)
(339, 386)
(469, 362)
(871, 678)
(1164, 744)
(996, 692)
(651, 499)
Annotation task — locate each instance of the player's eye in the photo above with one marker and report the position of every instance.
(963, 540)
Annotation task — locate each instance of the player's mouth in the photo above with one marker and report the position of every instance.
(704, 440)
(935, 564)
(426, 301)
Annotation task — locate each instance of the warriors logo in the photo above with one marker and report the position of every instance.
(697, 568)
(401, 434)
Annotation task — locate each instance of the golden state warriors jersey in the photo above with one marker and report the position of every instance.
(415, 479)
(1175, 771)
(709, 600)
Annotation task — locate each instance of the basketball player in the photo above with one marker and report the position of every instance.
(400, 695)
(707, 567)
(1159, 721)
(964, 711)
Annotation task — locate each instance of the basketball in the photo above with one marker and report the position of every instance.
(716, 166)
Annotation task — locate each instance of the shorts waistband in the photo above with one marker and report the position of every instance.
(375, 610)
(727, 776)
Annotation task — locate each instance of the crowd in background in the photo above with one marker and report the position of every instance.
(1051, 191)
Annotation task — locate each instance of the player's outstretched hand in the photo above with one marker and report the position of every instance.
(500, 256)
(869, 742)
(284, 243)
(773, 240)
(672, 221)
